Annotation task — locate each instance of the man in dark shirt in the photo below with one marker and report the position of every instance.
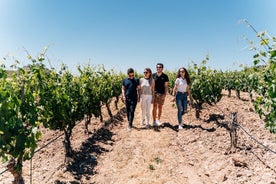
(130, 95)
(160, 92)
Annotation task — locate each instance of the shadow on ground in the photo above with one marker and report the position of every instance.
(84, 160)
(175, 127)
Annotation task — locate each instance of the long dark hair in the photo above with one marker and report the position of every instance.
(186, 76)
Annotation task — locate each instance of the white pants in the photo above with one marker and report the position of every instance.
(145, 107)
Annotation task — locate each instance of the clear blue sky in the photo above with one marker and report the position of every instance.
(134, 33)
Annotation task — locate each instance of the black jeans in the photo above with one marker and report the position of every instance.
(130, 106)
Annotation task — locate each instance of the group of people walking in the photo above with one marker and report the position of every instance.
(153, 89)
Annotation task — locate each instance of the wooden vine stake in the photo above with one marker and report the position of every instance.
(233, 133)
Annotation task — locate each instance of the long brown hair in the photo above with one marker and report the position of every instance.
(186, 75)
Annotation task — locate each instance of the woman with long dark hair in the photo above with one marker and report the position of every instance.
(181, 91)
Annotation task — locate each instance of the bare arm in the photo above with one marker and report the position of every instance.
(138, 92)
(152, 89)
(139, 89)
(123, 94)
(152, 86)
(174, 90)
(166, 87)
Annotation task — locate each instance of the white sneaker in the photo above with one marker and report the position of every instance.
(147, 126)
(180, 127)
(158, 123)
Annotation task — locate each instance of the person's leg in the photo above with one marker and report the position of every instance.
(160, 106)
(147, 108)
(161, 101)
(184, 104)
(179, 105)
(143, 108)
(128, 104)
(131, 113)
(154, 109)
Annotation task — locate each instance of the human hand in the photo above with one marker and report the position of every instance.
(173, 99)
(191, 101)
(124, 99)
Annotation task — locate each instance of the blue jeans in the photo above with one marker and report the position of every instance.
(130, 106)
(181, 103)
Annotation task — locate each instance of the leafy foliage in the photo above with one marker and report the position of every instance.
(265, 104)
(245, 80)
(19, 116)
(206, 84)
(62, 103)
(58, 99)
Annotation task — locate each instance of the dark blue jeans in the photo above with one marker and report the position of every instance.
(181, 103)
(130, 106)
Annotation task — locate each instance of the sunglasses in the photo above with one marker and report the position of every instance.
(181, 71)
(158, 67)
(146, 72)
(131, 75)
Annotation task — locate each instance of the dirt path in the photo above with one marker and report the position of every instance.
(195, 154)
(146, 155)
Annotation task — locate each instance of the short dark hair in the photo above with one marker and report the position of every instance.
(130, 70)
(161, 64)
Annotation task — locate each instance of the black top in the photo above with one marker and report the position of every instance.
(131, 87)
(160, 82)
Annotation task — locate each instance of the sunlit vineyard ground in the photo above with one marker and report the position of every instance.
(196, 154)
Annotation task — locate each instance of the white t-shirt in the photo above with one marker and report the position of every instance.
(145, 86)
(181, 84)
